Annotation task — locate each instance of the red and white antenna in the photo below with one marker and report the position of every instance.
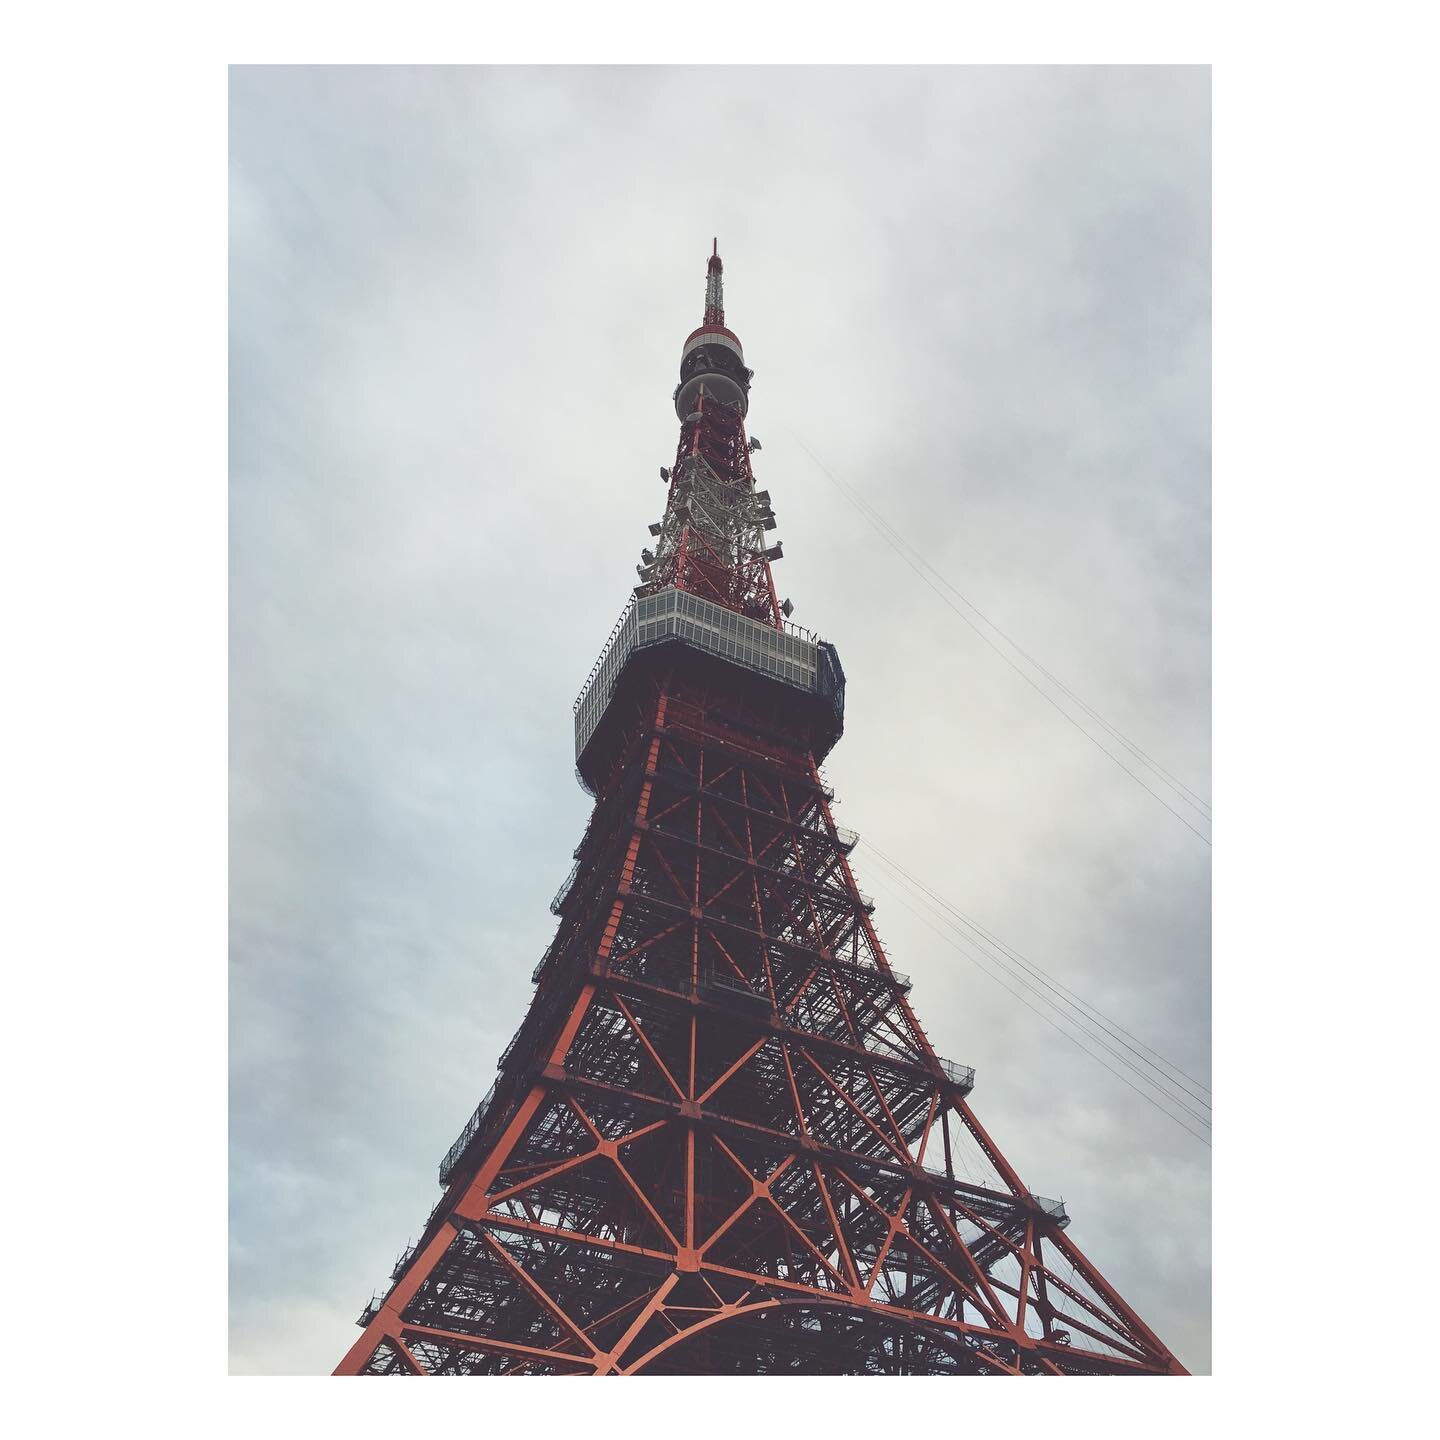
(714, 287)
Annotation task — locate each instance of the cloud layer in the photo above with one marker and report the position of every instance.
(981, 296)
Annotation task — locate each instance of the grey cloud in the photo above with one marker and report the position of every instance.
(982, 296)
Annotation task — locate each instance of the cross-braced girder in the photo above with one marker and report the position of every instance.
(720, 1141)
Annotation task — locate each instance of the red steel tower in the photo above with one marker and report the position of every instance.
(721, 1142)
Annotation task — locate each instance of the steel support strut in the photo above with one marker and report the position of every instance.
(721, 1141)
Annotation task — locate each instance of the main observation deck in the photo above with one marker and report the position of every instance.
(791, 657)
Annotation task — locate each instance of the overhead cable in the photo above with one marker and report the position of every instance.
(950, 939)
(922, 567)
(1088, 1013)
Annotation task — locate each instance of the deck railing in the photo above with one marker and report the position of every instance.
(731, 990)
(473, 1126)
(1055, 1209)
(564, 889)
(789, 655)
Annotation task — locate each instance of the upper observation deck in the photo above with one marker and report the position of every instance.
(791, 657)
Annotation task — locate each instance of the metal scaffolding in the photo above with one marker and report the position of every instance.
(720, 1141)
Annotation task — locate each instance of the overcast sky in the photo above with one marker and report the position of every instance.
(458, 296)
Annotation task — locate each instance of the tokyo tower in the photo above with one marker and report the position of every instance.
(721, 1142)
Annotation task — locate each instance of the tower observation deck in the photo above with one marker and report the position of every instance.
(720, 1141)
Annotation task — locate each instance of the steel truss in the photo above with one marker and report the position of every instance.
(712, 539)
(721, 1141)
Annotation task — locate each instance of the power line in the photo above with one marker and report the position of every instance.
(1162, 1085)
(1075, 1001)
(1161, 1088)
(871, 513)
(950, 939)
(905, 551)
(1092, 1024)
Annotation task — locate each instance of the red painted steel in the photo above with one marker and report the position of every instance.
(712, 1146)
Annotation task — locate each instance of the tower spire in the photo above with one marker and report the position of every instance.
(714, 287)
(713, 538)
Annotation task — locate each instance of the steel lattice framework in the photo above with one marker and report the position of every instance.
(721, 1141)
